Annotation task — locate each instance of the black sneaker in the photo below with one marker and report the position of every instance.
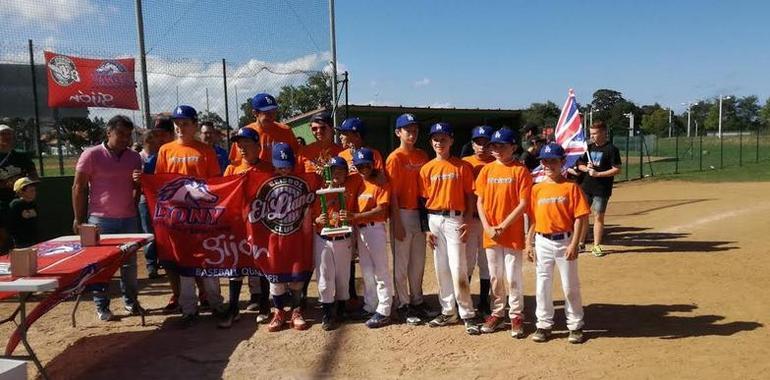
(402, 313)
(541, 335)
(423, 312)
(188, 320)
(472, 326)
(443, 320)
(360, 315)
(253, 303)
(229, 319)
(328, 323)
(152, 273)
(204, 306)
(134, 309)
(576, 336)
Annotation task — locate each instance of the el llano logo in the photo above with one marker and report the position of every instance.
(281, 204)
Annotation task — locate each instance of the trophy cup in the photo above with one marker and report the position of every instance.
(332, 229)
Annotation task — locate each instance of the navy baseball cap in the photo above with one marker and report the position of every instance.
(283, 156)
(263, 102)
(164, 123)
(246, 133)
(482, 131)
(441, 128)
(405, 119)
(552, 150)
(184, 112)
(503, 136)
(352, 124)
(323, 117)
(338, 162)
(363, 156)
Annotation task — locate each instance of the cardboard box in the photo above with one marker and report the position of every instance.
(89, 235)
(24, 262)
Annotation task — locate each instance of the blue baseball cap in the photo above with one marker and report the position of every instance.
(246, 133)
(283, 156)
(441, 128)
(405, 120)
(363, 156)
(552, 150)
(338, 162)
(503, 136)
(352, 124)
(482, 131)
(184, 112)
(263, 102)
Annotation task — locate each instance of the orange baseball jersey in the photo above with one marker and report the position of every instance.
(555, 206)
(314, 156)
(353, 185)
(378, 164)
(244, 166)
(445, 183)
(370, 196)
(268, 135)
(196, 159)
(501, 187)
(403, 168)
(476, 163)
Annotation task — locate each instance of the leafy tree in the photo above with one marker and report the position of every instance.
(295, 100)
(747, 112)
(80, 132)
(208, 116)
(656, 122)
(542, 114)
(764, 114)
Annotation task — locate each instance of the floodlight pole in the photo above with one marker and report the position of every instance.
(143, 64)
(333, 35)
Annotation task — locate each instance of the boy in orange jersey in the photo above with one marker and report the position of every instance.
(474, 250)
(403, 167)
(188, 156)
(263, 107)
(332, 254)
(373, 210)
(247, 141)
(559, 213)
(314, 156)
(447, 184)
(352, 132)
(503, 188)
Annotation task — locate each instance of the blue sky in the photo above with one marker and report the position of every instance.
(509, 54)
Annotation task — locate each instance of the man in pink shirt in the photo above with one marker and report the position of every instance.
(104, 193)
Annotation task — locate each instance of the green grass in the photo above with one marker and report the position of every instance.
(749, 172)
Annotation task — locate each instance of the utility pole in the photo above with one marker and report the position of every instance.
(143, 64)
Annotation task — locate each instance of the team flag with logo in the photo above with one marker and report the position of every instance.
(252, 224)
(569, 134)
(75, 82)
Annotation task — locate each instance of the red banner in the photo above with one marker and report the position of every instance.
(75, 82)
(252, 224)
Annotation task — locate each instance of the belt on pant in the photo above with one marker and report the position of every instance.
(366, 225)
(445, 212)
(556, 236)
(335, 237)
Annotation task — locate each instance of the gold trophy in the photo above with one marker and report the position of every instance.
(329, 229)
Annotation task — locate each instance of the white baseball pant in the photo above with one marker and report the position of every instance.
(550, 253)
(332, 263)
(188, 301)
(474, 251)
(505, 265)
(378, 286)
(451, 266)
(409, 259)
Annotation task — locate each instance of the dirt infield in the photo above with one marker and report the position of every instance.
(684, 293)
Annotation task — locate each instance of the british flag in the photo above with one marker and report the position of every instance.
(569, 134)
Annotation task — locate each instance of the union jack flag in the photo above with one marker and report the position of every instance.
(569, 134)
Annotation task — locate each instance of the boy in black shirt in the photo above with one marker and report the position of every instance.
(601, 164)
(22, 213)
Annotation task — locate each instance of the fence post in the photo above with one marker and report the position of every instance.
(59, 136)
(641, 155)
(700, 154)
(627, 138)
(757, 132)
(721, 152)
(740, 145)
(676, 151)
(37, 112)
(227, 108)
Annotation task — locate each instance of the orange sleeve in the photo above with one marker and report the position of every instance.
(212, 166)
(424, 182)
(234, 154)
(579, 202)
(230, 170)
(383, 195)
(466, 171)
(481, 182)
(378, 164)
(161, 166)
(525, 184)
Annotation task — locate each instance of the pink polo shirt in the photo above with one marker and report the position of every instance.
(111, 184)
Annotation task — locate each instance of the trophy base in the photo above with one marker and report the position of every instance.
(336, 231)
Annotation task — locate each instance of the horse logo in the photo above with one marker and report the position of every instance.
(63, 71)
(186, 192)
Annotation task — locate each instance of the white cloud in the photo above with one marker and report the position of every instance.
(48, 15)
(422, 82)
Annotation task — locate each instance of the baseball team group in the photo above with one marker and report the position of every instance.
(485, 210)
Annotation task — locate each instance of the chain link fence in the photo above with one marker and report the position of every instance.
(212, 55)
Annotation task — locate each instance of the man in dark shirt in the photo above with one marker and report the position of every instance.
(13, 165)
(529, 157)
(601, 164)
(22, 214)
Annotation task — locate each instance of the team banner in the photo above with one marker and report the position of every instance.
(252, 224)
(75, 82)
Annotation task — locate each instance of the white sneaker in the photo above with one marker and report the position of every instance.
(104, 314)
